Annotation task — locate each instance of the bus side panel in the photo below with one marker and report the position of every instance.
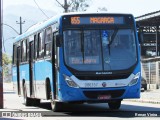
(42, 71)
(24, 75)
(14, 79)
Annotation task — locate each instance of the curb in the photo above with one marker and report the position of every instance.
(143, 101)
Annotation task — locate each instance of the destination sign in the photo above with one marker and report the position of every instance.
(76, 20)
(87, 60)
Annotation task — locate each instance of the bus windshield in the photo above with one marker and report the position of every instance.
(100, 50)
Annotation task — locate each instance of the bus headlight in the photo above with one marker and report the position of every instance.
(70, 82)
(135, 79)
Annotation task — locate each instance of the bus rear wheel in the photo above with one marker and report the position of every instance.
(36, 102)
(27, 101)
(56, 106)
(114, 105)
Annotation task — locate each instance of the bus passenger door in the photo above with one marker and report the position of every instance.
(18, 70)
(31, 56)
(55, 67)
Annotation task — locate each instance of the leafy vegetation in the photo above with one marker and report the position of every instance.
(6, 62)
(74, 5)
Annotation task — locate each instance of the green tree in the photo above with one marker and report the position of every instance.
(78, 5)
(6, 61)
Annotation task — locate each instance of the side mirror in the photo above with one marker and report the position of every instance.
(140, 33)
(140, 37)
(58, 41)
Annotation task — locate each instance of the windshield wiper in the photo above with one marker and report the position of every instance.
(112, 38)
(82, 45)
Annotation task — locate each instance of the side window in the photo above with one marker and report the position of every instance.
(24, 50)
(40, 45)
(31, 38)
(14, 54)
(35, 46)
(27, 49)
(55, 47)
(48, 41)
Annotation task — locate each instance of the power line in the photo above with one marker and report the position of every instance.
(10, 27)
(60, 4)
(4, 40)
(40, 9)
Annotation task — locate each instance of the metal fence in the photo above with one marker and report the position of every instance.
(151, 72)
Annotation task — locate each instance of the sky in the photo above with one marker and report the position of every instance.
(135, 7)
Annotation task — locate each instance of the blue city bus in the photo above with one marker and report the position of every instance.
(78, 58)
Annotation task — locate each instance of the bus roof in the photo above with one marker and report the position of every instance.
(41, 25)
(91, 13)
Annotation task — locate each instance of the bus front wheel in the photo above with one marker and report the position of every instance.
(56, 106)
(114, 105)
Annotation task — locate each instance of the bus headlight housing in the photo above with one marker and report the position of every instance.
(135, 79)
(70, 82)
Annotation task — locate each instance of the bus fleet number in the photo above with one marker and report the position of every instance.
(91, 84)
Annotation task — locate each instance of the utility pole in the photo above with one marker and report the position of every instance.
(20, 23)
(1, 77)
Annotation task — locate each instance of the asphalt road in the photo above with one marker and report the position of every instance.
(128, 109)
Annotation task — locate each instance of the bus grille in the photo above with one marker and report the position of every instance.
(106, 77)
(112, 93)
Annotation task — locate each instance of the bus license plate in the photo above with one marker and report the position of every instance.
(104, 97)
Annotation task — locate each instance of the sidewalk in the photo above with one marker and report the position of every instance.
(149, 96)
(7, 87)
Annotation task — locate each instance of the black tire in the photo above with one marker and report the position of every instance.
(56, 106)
(36, 102)
(27, 101)
(145, 88)
(114, 105)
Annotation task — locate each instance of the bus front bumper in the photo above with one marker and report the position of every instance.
(69, 94)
